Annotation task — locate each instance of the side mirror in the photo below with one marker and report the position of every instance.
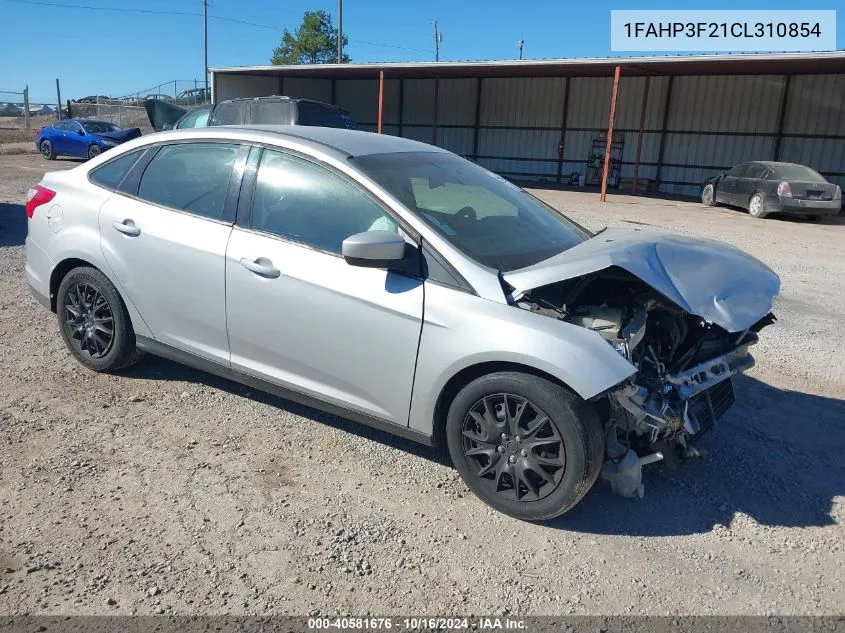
(80, 132)
(373, 249)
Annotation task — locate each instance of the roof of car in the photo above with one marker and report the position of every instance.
(771, 163)
(350, 142)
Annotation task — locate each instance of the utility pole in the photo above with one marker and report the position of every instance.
(59, 99)
(520, 42)
(438, 37)
(26, 107)
(205, 44)
(339, 31)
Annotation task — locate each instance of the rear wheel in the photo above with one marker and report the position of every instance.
(94, 151)
(46, 149)
(757, 206)
(94, 322)
(524, 444)
(708, 196)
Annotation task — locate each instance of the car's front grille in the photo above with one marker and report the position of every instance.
(710, 405)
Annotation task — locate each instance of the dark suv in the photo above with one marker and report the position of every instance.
(273, 110)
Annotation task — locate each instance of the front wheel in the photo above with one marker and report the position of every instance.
(94, 322)
(757, 206)
(525, 445)
(94, 151)
(708, 196)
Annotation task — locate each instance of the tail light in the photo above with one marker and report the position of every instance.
(37, 196)
(838, 194)
(784, 190)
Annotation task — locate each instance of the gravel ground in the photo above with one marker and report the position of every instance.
(165, 490)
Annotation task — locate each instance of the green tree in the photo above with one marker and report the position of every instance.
(315, 42)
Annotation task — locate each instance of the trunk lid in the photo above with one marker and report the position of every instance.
(707, 278)
(162, 115)
(122, 136)
(810, 190)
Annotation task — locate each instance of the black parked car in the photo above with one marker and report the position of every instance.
(765, 187)
(273, 110)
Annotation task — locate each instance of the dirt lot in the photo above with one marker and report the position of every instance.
(165, 490)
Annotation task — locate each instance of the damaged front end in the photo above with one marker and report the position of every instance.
(686, 349)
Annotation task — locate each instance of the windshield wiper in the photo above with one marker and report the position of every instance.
(600, 231)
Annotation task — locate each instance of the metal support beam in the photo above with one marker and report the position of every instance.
(663, 127)
(562, 144)
(640, 136)
(401, 104)
(334, 92)
(782, 115)
(380, 100)
(477, 119)
(436, 107)
(610, 120)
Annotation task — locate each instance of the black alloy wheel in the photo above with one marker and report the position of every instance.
(515, 448)
(89, 320)
(94, 321)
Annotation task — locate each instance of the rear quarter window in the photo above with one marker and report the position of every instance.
(322, 115)
(228, 114)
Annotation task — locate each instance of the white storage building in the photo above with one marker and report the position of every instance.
(678, 119)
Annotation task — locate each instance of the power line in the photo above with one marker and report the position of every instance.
(90, 8)
(191, 14)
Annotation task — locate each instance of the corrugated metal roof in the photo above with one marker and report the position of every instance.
(752, 63)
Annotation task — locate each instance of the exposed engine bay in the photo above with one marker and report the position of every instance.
(684, 362)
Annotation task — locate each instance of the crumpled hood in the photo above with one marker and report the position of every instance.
(121, 136)
(707, 278)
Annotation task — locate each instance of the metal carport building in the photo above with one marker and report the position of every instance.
(681, 118)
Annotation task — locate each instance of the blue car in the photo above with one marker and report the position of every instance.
(84, 138)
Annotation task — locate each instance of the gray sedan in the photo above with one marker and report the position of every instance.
(399, 285)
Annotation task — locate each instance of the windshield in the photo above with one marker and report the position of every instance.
(99, 127)
(798, 172)
(483, 215)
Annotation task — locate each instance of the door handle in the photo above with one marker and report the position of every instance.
(127, 227)
(261, 266)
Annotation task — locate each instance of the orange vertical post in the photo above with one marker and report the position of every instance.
(606, 166)
(640, 136)
(380, 98)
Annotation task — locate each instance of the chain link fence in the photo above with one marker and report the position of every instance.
(125, 116)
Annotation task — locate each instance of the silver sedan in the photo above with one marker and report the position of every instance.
(399, 285)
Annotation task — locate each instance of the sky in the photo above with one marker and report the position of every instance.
(117, 53)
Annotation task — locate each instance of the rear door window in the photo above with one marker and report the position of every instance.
(112, 173)
(190, 177)
(269, 113)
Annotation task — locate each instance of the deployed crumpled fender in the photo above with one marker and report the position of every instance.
(706, 278)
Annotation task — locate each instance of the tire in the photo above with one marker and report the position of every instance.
(46, 149)
(94, 151)
(708, 196)
(87, 299)
(569, 443)
(757, 206)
